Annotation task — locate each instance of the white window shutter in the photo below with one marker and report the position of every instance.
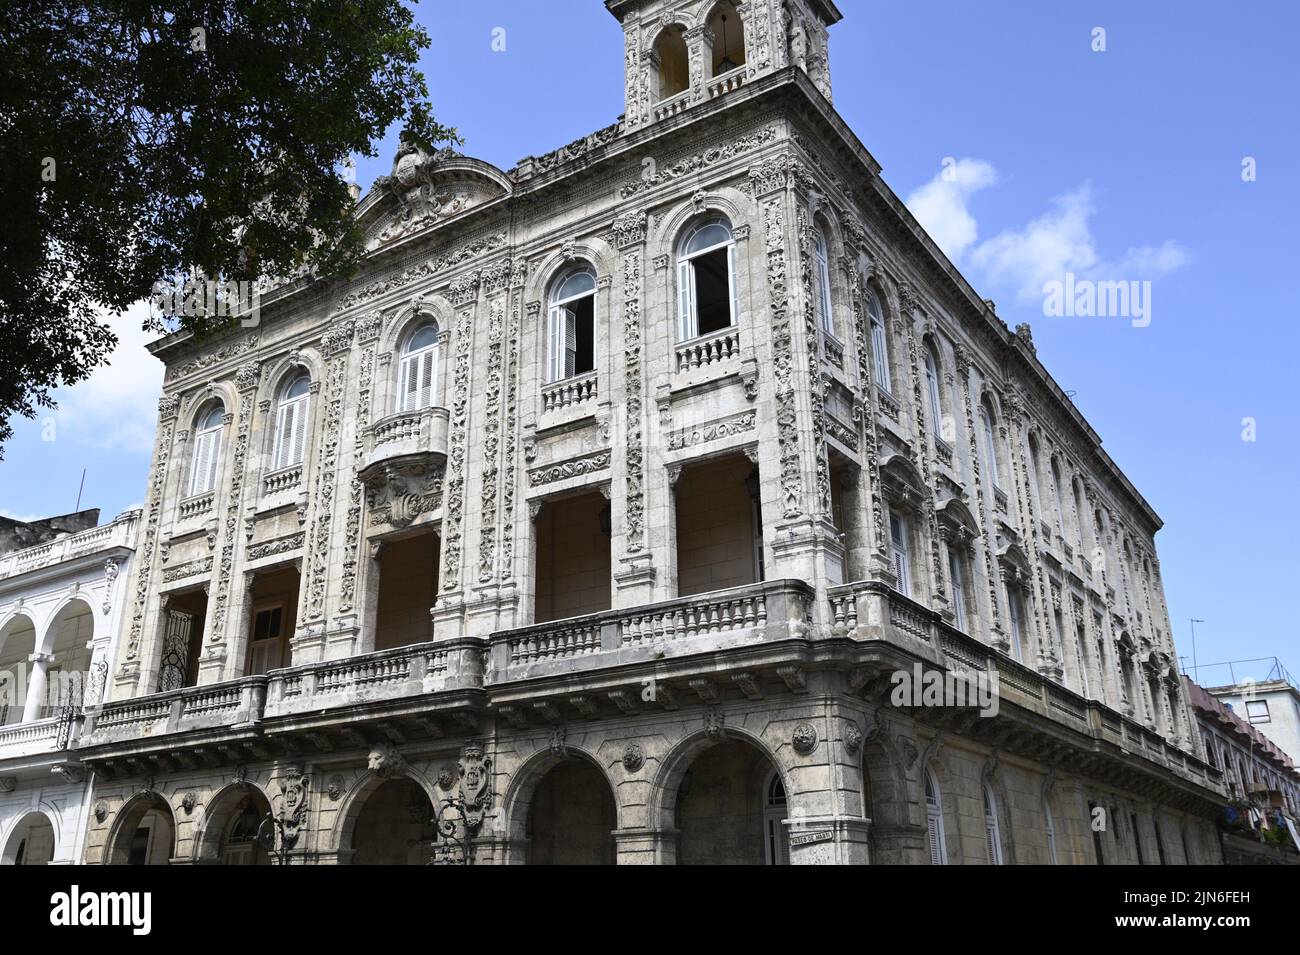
(733, 283)
(554, 344)
(934, 831)
(881, 355)
(426, 378)
(570, 342)
(214, 463)
(199, 471)
(299, 431)
(685, 301)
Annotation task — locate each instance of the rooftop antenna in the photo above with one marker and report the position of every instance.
(1194, 621)
(727, 63)
(79, 490)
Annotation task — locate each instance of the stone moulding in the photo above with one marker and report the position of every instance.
(712, 431)
(281, 545)
(574, 467)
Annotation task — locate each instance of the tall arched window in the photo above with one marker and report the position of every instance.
(934, 836)
(291, 422)
(571, 327)
(674, 62)
(992, 825)
(708, 300)
(1016, 613)
(932, 392)
(879, 344)
(1058, 498)
(207, 449)
(1050, 825)
(986, 421)
(822, 258)
(776, 845)
(1036, 479)
(418, 370)
(728, 38)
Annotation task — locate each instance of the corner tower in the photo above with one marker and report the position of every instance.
(680, 52)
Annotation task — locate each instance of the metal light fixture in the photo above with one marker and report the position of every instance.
(727, 63)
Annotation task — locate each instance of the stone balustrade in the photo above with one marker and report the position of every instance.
(708, 349)
(423, 431)
(673, 105)
(29, 739)
(120, 532)
(571, 391)
(197, 506)
(726, 83)
(285, 479)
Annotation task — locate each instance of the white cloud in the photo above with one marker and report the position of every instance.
(941, 204)
(1045, 249)
(117, 406)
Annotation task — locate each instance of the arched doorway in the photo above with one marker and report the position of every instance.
(572, 817)
(17, 644)
(31, 842)
(145, 833)
(394, 825)
(730, 808)
(234, 820)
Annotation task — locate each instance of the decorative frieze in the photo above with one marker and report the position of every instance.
(699, 162)
(191, 568)
(273, 548)
(712, 431)
(455, 507)
(574, 467)
(427, 268)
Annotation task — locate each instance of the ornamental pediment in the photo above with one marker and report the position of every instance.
(424, 190)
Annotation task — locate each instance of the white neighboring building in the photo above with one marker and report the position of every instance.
(60, 612)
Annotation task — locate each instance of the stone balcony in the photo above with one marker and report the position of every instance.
(406, 435)
(120, 532)
(872, 611)
(36, 738)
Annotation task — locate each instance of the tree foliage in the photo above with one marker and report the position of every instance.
(143, 141)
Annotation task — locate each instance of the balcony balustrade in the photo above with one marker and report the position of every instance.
(407, 433)
(569, 392)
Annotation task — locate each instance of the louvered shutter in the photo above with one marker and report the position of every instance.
(934, 830)
(199, 474)
(283, 437)
(570, 342)
(685, 301)
(214, 462)
(426, 378)
(299, 430)
(554, 344)
(881, 356)
(733, 284)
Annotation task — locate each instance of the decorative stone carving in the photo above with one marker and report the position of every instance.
(633, 757)
(852, 738)
(698, 162)
(386, 762)
(272, 548)
(575, 467)
(100, 810)
(804, 738)
(189, 801)
(335, 787)
(712, 431)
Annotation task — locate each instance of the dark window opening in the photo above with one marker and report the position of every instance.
(712, 291)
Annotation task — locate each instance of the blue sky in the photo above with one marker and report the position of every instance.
(1123, 164)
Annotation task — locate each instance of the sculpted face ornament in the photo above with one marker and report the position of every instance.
(386, 762)
(633, 757)
(804, 738)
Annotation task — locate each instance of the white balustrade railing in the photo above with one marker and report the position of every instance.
(570, 391)
(708, 349)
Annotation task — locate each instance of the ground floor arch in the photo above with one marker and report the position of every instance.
(571, 816)
(235, 828)
(729, 806)
(392, 823)
(31, 842)
(145, 833)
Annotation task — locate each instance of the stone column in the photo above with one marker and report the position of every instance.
(36, 685)
(639, 497)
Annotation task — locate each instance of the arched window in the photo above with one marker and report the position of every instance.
(879, 345)
(992, 825)
(1050, 825)
(1035, 467)
(418, 370)
(776, 847)
(1059, 500)
(1016, 613)
(1079, 512)
(728, 39)
(932, 392)
(207, 449)
(674, 62)
(291, 422)
(706, 279)
(934, 837)
(821, 255)
(571, 328)
(990, 446)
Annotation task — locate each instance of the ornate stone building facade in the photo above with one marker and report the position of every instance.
(592, 520)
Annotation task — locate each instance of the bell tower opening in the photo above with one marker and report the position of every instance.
(674, 62)
(728, 39)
